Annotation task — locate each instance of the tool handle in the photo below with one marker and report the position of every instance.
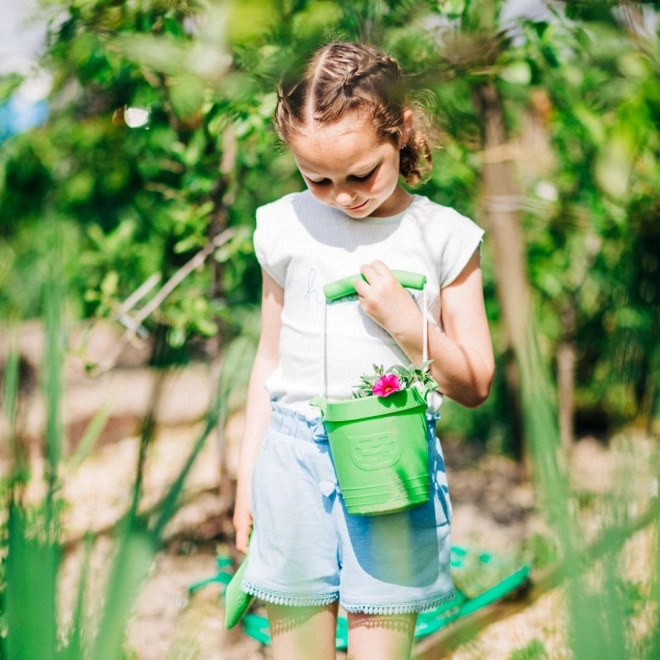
(346, 286)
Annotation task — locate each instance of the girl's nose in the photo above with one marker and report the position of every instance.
(344, 197)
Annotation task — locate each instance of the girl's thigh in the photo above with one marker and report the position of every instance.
(382, 636)
(302, 633)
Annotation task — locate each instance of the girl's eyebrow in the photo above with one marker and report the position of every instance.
(362, 172)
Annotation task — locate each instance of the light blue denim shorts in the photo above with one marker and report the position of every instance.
(307, 550)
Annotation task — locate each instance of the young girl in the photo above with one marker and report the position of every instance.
(352, 132)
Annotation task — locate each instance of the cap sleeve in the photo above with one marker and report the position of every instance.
(464, 238)
(268, 244)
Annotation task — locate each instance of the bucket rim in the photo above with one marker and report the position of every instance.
(373, 406)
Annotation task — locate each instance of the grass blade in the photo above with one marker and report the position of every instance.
(53, 377)
(74, 647)
(135, 551)
(10, 390)
(589, 640)
(91, 435)
(10, 407)
(30, 600)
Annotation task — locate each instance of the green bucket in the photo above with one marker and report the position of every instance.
(380, 451)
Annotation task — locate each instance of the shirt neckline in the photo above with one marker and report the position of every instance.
(384, 220)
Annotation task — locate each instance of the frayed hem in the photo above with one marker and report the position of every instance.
(294, 600)
(409, 607)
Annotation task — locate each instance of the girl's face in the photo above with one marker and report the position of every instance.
(347, 166)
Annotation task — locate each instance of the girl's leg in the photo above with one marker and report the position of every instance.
(382, 636)
(302, 633)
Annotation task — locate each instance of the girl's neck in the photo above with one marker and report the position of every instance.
(398, 202)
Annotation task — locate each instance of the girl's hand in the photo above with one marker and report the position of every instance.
(384, 300)
(243, 516)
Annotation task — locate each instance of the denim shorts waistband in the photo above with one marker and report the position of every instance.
(295, 424)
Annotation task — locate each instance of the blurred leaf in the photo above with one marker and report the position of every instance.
(318, 17)
(250, 19)
(162, 53)
(134, 552)
(31, 582)
(91, 435)
(187, 95)
(613, 165)
(74, 645)
(9, 83)
(518, 73)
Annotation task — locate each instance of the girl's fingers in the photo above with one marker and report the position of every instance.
(378, 276)
(374, 271)
(366, 270)
(242, 538)
(380, 268)
(243, 525)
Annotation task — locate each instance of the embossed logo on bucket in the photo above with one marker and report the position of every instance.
(375, 451)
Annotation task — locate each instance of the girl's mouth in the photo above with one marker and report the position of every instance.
(355, 208)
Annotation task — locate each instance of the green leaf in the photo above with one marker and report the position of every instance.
(614, 165)
(187, 95)
(91, 435)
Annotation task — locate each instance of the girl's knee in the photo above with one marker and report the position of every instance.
(382, 636)
(302, 633)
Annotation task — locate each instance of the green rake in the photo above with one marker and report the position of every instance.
(470, 570)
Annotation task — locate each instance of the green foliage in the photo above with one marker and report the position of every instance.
(540, 551)
(139, 200)
(535, 650)
(131, 200)
(31, 543)
(589, 247)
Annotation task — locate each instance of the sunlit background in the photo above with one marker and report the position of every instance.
(135, 145)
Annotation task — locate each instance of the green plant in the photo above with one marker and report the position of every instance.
(31, 544)
(383, 382)
(535, 650)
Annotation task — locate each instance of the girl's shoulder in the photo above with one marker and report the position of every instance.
(290, 204)
(450, 237)
(438, 218)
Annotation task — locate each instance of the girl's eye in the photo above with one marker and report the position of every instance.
(322, 182)
(366, 177)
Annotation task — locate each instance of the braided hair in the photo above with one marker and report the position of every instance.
(342, 77)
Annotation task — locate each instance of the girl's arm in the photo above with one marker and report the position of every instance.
(463, 363)
(257, 411)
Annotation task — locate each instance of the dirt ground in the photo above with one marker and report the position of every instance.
(494, 509)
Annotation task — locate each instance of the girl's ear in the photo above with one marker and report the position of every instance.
(406, 128)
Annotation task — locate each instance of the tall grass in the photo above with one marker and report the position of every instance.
(598, 625)
(32, 543)
(32, 551)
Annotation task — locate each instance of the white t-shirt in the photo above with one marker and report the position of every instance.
(304, 245)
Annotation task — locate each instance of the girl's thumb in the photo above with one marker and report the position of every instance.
(242, 539)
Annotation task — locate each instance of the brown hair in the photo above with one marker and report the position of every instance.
(342, 77)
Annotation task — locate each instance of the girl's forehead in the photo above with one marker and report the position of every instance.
(353, 126)
(351, 140)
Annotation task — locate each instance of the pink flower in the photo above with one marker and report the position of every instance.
(386, 385)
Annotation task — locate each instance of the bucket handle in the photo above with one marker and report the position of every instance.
(346, 287)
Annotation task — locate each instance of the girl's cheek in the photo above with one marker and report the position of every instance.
(319, 194)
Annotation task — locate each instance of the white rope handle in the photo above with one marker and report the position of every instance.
(324, 347)
(425, 329)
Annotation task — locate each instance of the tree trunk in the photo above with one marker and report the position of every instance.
(502, 217)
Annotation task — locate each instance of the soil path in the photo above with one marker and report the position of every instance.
(493, 504)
